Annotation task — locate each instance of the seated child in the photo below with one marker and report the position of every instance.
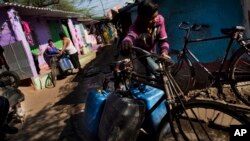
(51, 49)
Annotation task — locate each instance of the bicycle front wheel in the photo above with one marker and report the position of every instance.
(240, 75)
(183, 73)
(203, 120)
(10, 78)
(54, 74)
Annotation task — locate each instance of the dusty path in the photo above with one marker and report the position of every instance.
(48, 110)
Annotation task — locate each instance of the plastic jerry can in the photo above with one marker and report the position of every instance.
(65, 64)
(121, 119)
(150, 96)
(93, 110)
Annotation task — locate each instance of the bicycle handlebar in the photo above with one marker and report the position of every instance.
(124, 70)
(184, 26)
(194, 27)
(54, 55)
(126, 65)
(158, 57)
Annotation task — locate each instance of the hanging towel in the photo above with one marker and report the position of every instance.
(26, 27)
(27, 32)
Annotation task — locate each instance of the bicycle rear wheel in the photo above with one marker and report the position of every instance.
(210, 120)
(240, 75)
(183, 73)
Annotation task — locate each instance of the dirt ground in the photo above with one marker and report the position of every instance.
(49, 112)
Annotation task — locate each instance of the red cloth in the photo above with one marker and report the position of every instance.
(26, 27)
(29, 39)
(27, 31)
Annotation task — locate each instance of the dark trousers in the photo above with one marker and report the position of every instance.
(149, 64)
(75, 60)
(4, 109)
(3, 62)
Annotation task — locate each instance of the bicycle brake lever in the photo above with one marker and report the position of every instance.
(196, 27)
(184, 25)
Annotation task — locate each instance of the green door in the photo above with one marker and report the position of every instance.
(65, 28)
(55, 29)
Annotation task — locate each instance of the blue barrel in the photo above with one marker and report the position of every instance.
(151, 96)
(65, 64)
(93, 111)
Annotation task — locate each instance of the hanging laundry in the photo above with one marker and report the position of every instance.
(27, 32)
(26, 27)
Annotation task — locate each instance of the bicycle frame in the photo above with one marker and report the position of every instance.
(223, 61)
(173, 94)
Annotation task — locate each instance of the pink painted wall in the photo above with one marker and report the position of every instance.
(20, 36)
(73, 35)
(6, 33)
(79, 35)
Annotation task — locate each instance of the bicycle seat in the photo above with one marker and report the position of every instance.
(231, 31)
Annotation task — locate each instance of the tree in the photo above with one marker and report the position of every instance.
(38, 3)
(66, 5)
(35, 2)
(71, 5)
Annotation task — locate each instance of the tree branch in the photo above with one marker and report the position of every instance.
(44, 4)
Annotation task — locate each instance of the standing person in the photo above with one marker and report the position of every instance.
(105, 35)
(147, 31)
(4, 110)
(70, 49)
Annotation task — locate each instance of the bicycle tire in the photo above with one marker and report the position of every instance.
(10, 78)
(183, 73)
(240, 75)
(218, 111)
(53, 74)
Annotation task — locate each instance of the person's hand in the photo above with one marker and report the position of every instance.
(61, 52)
(126, 45)
(165, 54)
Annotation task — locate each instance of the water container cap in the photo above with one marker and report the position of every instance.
(99, 90)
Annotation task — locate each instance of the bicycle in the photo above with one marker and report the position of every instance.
(236, 73)
(10, 78)
(54, 68)
(185, 117)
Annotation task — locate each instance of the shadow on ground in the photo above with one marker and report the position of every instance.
(54, 121)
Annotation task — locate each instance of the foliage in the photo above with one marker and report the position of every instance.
(71, 5)
(66, 5)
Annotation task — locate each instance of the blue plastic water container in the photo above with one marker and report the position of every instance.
(151, 96)
(93, 111)
(65, 64)
(121, 119)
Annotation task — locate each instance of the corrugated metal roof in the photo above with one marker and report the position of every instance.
(41, 12)
(87, 21)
